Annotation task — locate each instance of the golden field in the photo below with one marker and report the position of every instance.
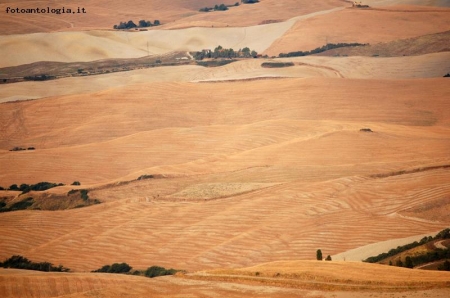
(254, 168)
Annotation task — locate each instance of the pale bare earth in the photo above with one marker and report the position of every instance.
(255, 168)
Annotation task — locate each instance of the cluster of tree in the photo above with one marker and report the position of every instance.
(83, 194)
(424, 258)
(319, 256)
(141, 24)
(155, 271)
(21, 149)
(124, 268)
(21, 205)
(20, 262)
(221, 7)
(142, 177)
(444, 234)
(445, 266)
(41, 186)
(220, 52)
(115, 268)
(321, 49)
(42, 77)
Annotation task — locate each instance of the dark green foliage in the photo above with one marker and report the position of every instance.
(76, 183)
(22, 205)
(141, 24)
(115, 268)
(142, 177)
(84, 194)
(444, 234)
(445, 266)
(431, 256)
(2, 204)
(72, 191)
(17, 149)
(155, 271)
(220, 52)
(328, 258)
(144, 23)
(409, 262)
(41, 186)
(320, 50)
(20, 262)
(1, 188)
(42, 77)
(276, 64)
(447, 75)
(249, 1)
(319, 255)
(14, 187)
(399, 263)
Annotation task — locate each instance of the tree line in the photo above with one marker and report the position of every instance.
(328, 46)
(221, 7)
(20, 262)
(220, 52)
(444, 234)
(41, 186)
(124, 268)
(141, 24)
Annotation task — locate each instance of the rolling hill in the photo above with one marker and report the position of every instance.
(249, 169)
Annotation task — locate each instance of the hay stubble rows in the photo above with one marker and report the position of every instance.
(252, 165)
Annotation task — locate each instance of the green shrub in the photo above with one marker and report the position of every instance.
(84, 194)
(142, 177)
(76, 183)
(115, 268)
(20, 262)
(155, 271)
(21, 205)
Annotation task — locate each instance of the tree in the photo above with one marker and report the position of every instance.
(155, 271)
(246, 52)
(76, 183)
(130, 24)
(445, 266)
(319, 255)
(408, 262)
(399, 263)
(156, 23)
(14, 187)
(328, 258)
(144, 23)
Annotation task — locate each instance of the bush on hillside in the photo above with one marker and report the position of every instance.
(141, 24)
(155, 271)
(115, 268)
(20, 262)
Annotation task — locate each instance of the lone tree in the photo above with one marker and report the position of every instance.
(328, 258)
(319, 255)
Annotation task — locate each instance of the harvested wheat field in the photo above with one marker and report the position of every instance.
(234, 174)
